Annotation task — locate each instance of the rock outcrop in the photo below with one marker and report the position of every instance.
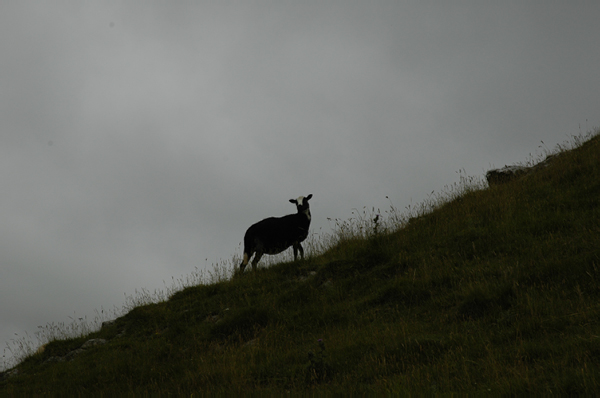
(509, 173)
(72, 354)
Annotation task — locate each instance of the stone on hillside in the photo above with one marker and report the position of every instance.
(8, 374)
(92, 343)
(106, 324)
(72, 354)
(508, 173)
(505, 174)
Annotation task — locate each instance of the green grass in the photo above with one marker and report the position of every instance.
(478, 290)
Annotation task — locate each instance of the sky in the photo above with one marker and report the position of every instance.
(140, 139)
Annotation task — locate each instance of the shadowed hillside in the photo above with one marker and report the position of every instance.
(481, 290)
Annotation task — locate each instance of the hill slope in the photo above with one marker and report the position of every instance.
(495, 290)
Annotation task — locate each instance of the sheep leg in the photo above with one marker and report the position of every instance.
(256, 260)
(298, 248)
(245, 261)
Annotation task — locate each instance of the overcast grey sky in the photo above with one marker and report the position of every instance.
(140, 139)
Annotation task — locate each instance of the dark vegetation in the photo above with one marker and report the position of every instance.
(483, 290)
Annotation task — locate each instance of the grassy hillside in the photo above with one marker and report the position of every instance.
(494, 289)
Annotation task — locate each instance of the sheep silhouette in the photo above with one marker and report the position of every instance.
(273, 235)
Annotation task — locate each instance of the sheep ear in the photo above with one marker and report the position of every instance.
(309, 196)
(293, 201)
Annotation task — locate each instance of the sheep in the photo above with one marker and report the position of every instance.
(275, 234)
